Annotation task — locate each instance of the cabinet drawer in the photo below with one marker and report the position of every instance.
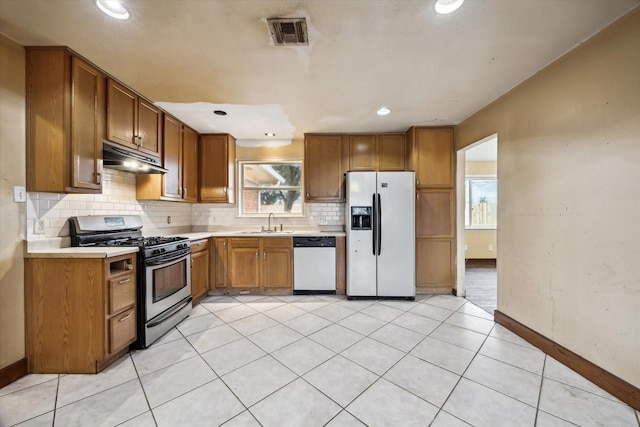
(277, 242)
(244, 242)
(199, 245)
(122, 330)
(122, 293)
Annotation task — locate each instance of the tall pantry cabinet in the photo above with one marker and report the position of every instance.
(431, 154)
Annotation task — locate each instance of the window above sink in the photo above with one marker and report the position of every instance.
(270, 187)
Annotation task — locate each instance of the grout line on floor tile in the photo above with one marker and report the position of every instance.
(544, 363)
(143, 390)
(460, 378)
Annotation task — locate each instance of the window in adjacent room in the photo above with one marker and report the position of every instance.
(481, 203)
(274, 187)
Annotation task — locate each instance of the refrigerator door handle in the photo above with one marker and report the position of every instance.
(379, 224)
(373, 225)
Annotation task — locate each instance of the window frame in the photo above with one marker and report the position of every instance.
(468, 214)
(241, 188)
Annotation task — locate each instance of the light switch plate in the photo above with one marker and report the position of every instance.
(19, 194)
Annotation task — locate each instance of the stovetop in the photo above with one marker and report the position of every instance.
(120, 230)
(146, 242)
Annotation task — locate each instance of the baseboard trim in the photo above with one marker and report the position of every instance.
(480, 262)
(618, 387)
(13, 372)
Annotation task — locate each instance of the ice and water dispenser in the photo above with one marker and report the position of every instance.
(361, 217)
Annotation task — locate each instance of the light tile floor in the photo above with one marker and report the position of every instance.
(323, 360)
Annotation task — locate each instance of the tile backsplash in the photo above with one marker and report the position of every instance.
(119, 198)
(217, 215)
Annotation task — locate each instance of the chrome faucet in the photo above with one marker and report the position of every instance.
(269, 222)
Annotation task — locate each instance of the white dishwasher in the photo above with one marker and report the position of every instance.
(314, 265)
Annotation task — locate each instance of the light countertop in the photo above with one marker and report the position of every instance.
(52, 249)
(81, 252)
(244, 233)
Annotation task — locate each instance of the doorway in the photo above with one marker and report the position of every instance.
(477, 217)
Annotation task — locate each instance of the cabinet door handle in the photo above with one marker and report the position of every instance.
(265, 255)
(224, 190)
(129, 266)
(307, 195)
(98, 178)
(184, 191)
(126, 317)
(127, 280)
(224, 244)
(256, 254)
(200, 244)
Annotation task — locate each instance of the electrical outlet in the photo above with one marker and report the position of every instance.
(490, 248)
(40, 226)
(19, 194)
(169, 220)
(322, 219)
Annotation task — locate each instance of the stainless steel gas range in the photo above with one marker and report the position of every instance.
(164, 270)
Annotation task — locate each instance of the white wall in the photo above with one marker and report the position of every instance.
(569, 198)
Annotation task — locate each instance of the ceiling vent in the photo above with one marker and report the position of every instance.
(288, 31)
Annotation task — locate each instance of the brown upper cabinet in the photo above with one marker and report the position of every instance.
(180, 158)
(189, 164)
(431, 155)
(172, 158)
(133, 121)
(323, 168)
(65, 110)
(383, 152)
(217, 156)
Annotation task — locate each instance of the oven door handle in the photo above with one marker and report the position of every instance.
(164, 260)
(166, 315)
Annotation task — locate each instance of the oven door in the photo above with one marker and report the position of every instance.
(168, 281)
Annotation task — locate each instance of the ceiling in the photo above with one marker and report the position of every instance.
(196, 56)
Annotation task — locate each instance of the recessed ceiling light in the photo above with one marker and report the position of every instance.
(220, 113)
(113, 8)
(383, 111)
(270, 134)
(447, 6)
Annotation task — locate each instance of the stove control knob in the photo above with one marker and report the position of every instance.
(164, 250)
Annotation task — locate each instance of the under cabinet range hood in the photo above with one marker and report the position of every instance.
(125, 160)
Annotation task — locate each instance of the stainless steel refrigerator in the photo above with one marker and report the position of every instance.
(380, 227)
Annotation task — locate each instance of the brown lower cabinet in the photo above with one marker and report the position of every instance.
(219, 263)
(200, 269)
(80, 312)
(253, 263)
